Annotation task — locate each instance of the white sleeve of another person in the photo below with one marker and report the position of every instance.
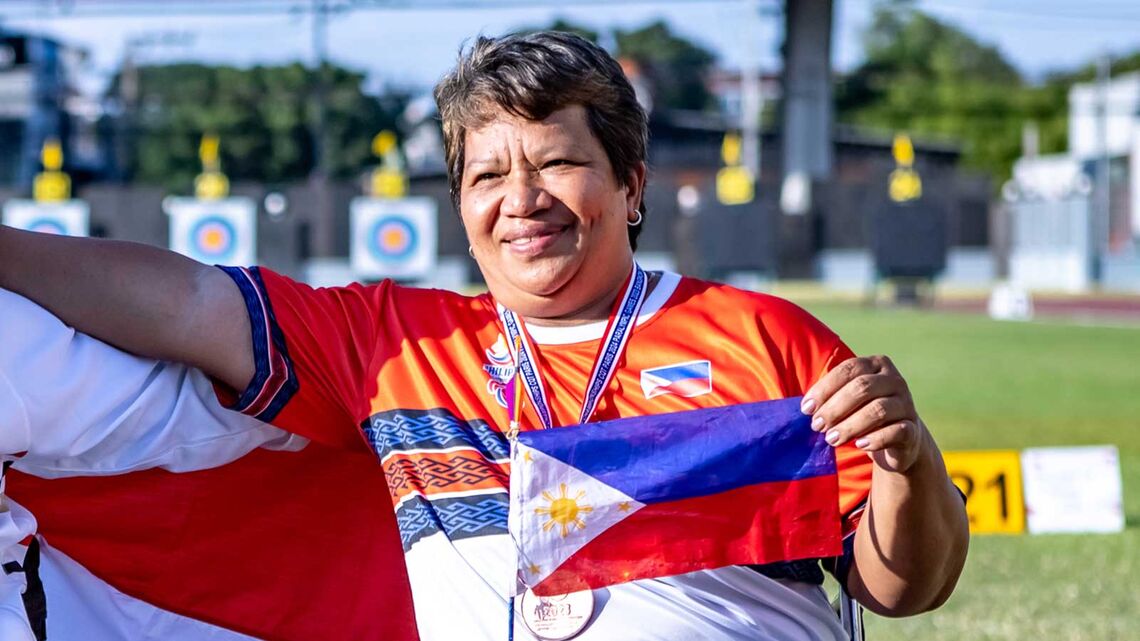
(77, 406)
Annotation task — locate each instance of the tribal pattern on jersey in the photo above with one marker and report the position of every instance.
(435, 429)
(459, 517)
(445, 474)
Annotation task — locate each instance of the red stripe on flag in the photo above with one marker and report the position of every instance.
(282, 546)
(764, 523)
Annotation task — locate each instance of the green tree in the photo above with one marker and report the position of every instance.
(562, 24)
(675, 67)
(261, 114)
(935, 80)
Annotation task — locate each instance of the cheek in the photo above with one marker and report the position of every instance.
(476, 214)
(595, 201)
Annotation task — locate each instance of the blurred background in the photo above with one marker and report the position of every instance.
(955, 183)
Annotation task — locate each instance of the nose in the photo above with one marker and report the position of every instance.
(525, 195)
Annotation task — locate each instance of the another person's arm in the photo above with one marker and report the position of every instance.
(72, 405)
(910, 544)
(148, 301)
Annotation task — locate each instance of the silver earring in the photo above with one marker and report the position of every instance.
(471, 251)
(636, 221)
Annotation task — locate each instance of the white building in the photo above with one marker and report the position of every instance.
(1061, 237)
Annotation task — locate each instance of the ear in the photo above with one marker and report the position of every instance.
(635, 186)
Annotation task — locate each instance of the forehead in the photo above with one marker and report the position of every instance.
(504, 129)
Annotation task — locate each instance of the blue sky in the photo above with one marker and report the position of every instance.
(415, 46)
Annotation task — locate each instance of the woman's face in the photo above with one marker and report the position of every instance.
(545, 216)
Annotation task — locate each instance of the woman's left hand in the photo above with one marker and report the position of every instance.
(867, 401)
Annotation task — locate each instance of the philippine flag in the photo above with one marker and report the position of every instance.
(615, 501)
(683, 379)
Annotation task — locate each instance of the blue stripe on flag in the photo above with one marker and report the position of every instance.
(668, 457)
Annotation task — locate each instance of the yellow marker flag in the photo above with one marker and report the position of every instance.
(208, 152)
(903, 150)
(383, 143)
(52, 155)
(730, 149)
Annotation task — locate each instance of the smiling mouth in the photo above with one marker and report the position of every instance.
(537, 241)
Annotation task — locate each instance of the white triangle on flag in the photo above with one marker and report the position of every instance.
(555, 511)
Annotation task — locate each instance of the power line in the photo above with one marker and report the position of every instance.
(57, 9)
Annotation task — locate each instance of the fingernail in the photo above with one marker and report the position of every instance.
(862, 443)
(807, 406)
(832, 437)
(817, 423)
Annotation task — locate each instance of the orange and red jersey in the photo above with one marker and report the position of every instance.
(419, 376)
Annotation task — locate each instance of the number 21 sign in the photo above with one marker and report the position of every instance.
(991, 481)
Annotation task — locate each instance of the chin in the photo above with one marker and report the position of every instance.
(540, 295)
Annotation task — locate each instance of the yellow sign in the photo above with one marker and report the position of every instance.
(991, 481)
(734, 186)
(51, 187)
(388, 183)
(904, 185)
(211, 185)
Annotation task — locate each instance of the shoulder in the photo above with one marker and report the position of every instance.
(775, 317)
(376, 295)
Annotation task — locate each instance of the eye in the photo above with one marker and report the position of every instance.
(560, 162)
(485, 176)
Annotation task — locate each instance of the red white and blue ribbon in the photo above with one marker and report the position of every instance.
(613, 345)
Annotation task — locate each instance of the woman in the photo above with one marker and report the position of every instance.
(546, 147)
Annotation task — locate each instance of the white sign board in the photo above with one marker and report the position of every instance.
(1072, 489)
(393, 238)
(68, 218)
(1008, 302)
(215, 232)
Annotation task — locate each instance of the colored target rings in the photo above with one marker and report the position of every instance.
(392, 238)
(213, 238)
(47, 226)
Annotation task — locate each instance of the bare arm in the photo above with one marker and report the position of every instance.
(145, 300)
(911, 543)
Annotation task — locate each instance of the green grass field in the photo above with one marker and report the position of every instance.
(981, 384)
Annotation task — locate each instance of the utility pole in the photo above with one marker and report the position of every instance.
(751, 99)
(322, 227)
(1102, 214)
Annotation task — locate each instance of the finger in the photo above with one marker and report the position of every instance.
(896, 435)
(832, 381)
(870, 417)
(858, 392)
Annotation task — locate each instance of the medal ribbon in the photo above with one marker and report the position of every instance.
(613, 344)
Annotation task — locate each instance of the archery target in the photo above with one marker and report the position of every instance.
(67, 218)
(393, 238)
(215, 237)
(214, 231)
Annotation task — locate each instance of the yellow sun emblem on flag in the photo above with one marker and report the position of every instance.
(564, 510)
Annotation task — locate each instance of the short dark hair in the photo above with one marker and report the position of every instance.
(532, 75)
